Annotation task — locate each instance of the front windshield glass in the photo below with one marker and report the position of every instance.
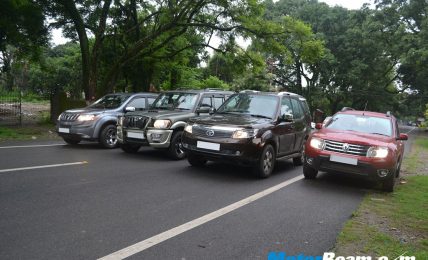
(109, 101)
(181, 101)
(360, 123)
(253, 105)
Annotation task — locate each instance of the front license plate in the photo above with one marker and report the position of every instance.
(136, 135)
(209, 146)
(64, 130)
(341, 159)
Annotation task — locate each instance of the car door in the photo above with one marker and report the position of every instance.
(299, 124)
(285, 130)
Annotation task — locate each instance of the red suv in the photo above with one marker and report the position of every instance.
(363, 143)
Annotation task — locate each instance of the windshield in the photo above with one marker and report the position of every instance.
(109, 101)
(181, 101)
(360, 123)
(253, 105)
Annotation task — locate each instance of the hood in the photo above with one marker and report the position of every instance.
(244, 121)
(160, 114)
(353, 137)
(86, 110)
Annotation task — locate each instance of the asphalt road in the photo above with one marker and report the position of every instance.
(110, 200)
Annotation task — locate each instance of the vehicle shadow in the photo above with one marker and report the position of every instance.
(342, 180)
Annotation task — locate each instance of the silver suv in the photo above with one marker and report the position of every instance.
(97, 122)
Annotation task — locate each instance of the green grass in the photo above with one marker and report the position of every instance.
(42, 131)
(392, 223)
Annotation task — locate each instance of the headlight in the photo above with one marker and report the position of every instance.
(59, 117)
(162, 123)
(188, 129)
(317, 143)
(239, 134)
(120, 120)
(86, 117)
(377, 152)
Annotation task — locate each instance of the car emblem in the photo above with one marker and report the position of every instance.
(345, 147)
(209, 133)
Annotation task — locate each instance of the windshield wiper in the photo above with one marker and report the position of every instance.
(260, 116)
(379, 134)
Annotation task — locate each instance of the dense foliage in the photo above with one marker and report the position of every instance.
(372, 58)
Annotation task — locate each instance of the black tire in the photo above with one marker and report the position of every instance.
(298, 161)
(389, 183)
(266, 162)
(129, 148)
(71, 141)
(309, 172)
(108, 137)
(175, 150)
(196, 160)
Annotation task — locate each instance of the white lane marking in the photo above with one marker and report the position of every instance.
(29, 146)
(145, 244)
(411, 130)
(42, 166)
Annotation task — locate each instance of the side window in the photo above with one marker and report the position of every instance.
(305, 106)
(138, 103)
(206, 102)
(286, 106)
(297, 109)
(151, 100)
(218, 101)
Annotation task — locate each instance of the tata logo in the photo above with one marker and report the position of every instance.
(345, 147)
(210, 133)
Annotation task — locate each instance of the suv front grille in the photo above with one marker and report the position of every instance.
(346, 148)
(208, 132)
(69, 117)
(136, 121)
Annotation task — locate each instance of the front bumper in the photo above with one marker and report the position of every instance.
(237, 151)
(156, 138)
(368, 168)
(76, 131)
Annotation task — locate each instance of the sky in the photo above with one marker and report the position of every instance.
(349, 4)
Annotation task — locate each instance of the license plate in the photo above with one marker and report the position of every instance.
(64, 130)
(209, 146)
(136, 135)
(341, 159)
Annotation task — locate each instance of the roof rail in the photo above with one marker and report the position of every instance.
(287, 93)
(249, 91)
(213, 89)
(346, 109)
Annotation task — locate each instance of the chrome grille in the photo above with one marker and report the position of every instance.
(209, 132)
(341, 147)
(136, 121)
(69, 117)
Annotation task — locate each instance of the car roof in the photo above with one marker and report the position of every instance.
(365, 113)
(282, 93)
(197, 91)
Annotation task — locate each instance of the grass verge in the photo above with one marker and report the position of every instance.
(393, 224)
(40, 131)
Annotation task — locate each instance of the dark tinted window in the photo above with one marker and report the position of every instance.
(138, 103)
(297, 109)
(110, 101)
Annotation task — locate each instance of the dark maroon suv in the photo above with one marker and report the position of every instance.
(251, 128)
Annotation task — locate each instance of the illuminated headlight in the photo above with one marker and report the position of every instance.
(120, 120)
(162, 123)
(188, 129)
(377, 152)
(86, 117)
(317, 143)
(240, 134)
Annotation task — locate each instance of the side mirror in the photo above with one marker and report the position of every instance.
(318, 126)
(403, 137)
(204, 110)
(129, 109)
(286, 118)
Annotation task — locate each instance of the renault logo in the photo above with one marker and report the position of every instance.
(209, 133)
(345, 147)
